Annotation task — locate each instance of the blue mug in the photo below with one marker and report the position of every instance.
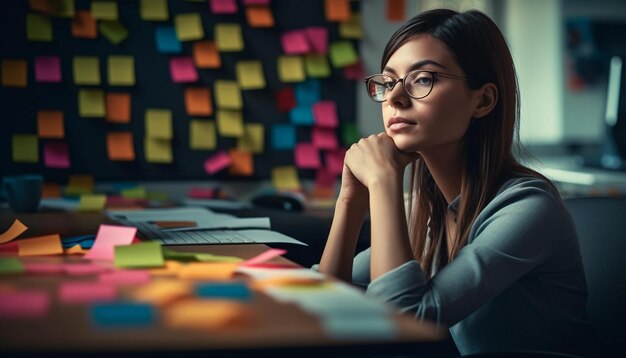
(23, 192)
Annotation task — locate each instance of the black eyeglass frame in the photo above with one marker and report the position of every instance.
(434, 74)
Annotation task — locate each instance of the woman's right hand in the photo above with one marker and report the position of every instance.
(352, 190)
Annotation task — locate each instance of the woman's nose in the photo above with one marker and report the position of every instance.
(398, 96)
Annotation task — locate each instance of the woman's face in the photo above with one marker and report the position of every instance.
(437, 121)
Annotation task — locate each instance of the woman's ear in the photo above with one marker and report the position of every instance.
(488, 98)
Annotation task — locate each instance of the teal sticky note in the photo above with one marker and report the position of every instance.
(283, 136)
(308, 92)
(302, 115)
(224, 290)
(122, 314)
(167, 41)
(11, 265)
(141, 255)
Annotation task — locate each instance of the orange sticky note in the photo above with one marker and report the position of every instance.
(75, 250)
(16, 229)
(337, 10)
(118, 107)
(50, 124)
(171, 269)
(198, 102)
(208, 314)
(120, 146)
(42, 245)
(14, 73)
(51, 190)
(162, 292)
(205, 54)
(242, 163)
(395, 10)
(259, 16)
(208, 270)
(84, 25)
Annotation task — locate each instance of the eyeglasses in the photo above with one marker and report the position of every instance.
(417, 84)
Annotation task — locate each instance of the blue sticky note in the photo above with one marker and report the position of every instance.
(283, 136)
(302, 115)
(122, 314)
(308, 92)
(167, 41)
(225, 290)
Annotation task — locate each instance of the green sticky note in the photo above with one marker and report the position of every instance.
(153, 10)
(342, 54)
(228, 94)
(25, 148)
(228, 37)
(86, 70)
(91, 103)
(159, 123)
(141, 255)
(350, 134)
(38, 28)
(317, 65)
(114, 31)
(91, 202)
(290, 69)
(158, 150)
(250, 75)
(230, 123)
(351, 29)
(62, 8)
(188, 27)
(138, 192)
(11, 265)
(121, 70)
(192, 256)
(202, 134)
(104, 10)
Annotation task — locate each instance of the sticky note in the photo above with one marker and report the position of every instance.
(25, 148)
(250, 75)
(349, 133)
(38, 28)
(50, 124)
(84, 25)
(224, 290)
(15, 230)
(318, 38)
(91, 202)
(354, 72)
(324, 179)
(290, 68)
(141, 255)
(14, 73)
(47, 69)
(253, 139)
(86, 70)
(104, 10)
(334, 160)
(351, 29)
(182, 70)
(56, 155)
(342, 54)
(41, 245)
(324, 138)
(167, 41)
(208, 270)
(201, 193)
(316, 66)
(259, 16)
(283, 136)
(51, 190)
(122, 314)
(118, 107)
(325, 114)
(158, 150)
(208, 315)
(85, 292)
(135, 192)
(120, 146)
(337, 10)
(159, 123)
(153, 10)
(205, 54)
(44, 268)
(24, 304)
(202, 134)
(242, 164)
(107, 238)
(162, 292)
(285, 178)
(78, 269)
(301, 115)
(306, 156)
(228, 37)
(56, 8)
(198, 102)
(295, 42)
(188, 27)
(121, 70)
(223, 6)
(228, 94)
(81, 181)
(75, 250)
(256, 2)
(264, 256)
(91, 103)
(114, 31)
(285, 99)
(217, 162)
(230, 123)
(125, 277)
(11, 265)
(308, 92)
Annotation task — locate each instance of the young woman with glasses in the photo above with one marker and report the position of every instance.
(487, 247)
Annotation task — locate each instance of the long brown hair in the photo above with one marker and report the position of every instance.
(490, 144)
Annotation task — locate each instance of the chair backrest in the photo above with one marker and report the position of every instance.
(601, 226)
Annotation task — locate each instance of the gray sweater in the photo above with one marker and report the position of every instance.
(517, 285)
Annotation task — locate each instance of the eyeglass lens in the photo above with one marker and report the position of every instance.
(417, 84)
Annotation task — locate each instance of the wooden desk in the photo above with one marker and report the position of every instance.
(278, 328)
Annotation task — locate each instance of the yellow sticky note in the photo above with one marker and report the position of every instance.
(42, 245)
(91, 103)
(208, 270)
(351, 29)
(228, 37)
(25, 148)
(121, 70)
(285, 178)
(317, 65)
(158, 150)
(138, 192)
(290, 69)
(202, 134)
(14, 73)
(159, 123)
(250, 75)
(38, 28)
(92, 202)
(104, 10)
(230, 123)
(188, 27)
(162, 292)
(253, 139)
(228, 94)
(153, 10)
(114, 31)
(214, 314)
(86, 70)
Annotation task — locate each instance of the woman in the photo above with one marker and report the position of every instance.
(489, 250)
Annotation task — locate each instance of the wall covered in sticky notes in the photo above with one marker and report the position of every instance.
(178, 89)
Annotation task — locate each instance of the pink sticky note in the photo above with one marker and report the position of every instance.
(354, 72)
(47, 69)
(325, 179)
(107, 238)
(201, 193)
(84, 269)
(307, 156)
(125, 277)
(334, 160)
(182, 70)
(295, 42)
(217, 162)
(24, 304)
(256, 2)
(85, 292)
(325, 114)
(265, 256)
(43, 268)
(224, 6)
(56, 155)
(318, 38)
(324, 138)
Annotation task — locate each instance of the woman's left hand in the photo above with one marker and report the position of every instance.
(376, 158)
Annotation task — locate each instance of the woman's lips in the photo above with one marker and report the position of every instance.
(397, 124)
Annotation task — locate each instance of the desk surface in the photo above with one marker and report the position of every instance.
(276, 326)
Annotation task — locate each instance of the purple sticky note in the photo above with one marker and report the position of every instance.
(325, 114)
(183, 70)
(318, 38)
(107, 238)
(307, 156)
(86, 292)
(217, 162)
(47, 69)
(334, 160)
(125, 277)
(324, 138)
(56, 155)
(223, 6)
(24, 304)
(295, 42)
